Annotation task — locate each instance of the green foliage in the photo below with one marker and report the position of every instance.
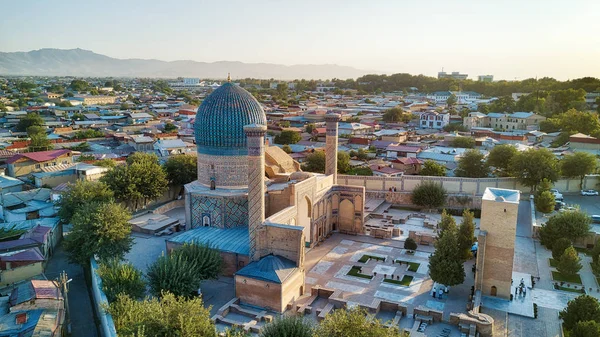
(472, 165)
(429, 195)
(309, 128)
(83, 147)
(580, 309)
(500, 157)
(105, 163)
(86, 157)
(88, 133)
(569, 263)
(396, 115)
(355, 322)
(343, 162)
(559, 247)
(292, 326)
(446, 224)
(168, 316)
(595, 253)
(26, 86)
(7, 234)
(77, 116)
(466, 234)
(38, 139)
(572, 225)
(170, 127)
(142, 179)
(586, 329)
(504, 104)
(65, 104)
(360, 171)
(544, 202)
(455, 127)
(99, 229)
(533, 165)
(451, 100)
(432, 168)
(287, 149)
(79, 85)
(573, 121)
(463, 142)
(121, 278)
(31, 119)
(181, 169)
(81, 193)
(446, 263)
(181, 272)
(577, 165)
(410, 244)
(288, 137)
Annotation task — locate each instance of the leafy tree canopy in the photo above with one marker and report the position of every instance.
(472, 165)
(432, 168)
(81, 193)
(429, 195)
(580, 309)
(500, 157)
(288, 137)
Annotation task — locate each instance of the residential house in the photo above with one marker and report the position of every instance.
(501, 121)
(170, 147)
(408, 165)
(70, 173)
(584, 143)
(26, 163)
(354, 129)
(26, 205)
(19, 265)
(434, 120)
(399, 151)
(138, 118)
(143, 143)
(385, 171)
(10, 184)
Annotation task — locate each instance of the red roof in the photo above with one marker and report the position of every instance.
(361, 141)
(41, 156)
(408, 161)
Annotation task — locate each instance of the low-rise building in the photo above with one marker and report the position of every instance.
(26, 163)
(434, 120)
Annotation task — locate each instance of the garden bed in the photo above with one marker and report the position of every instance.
(405, 281)
(578, 290)
(356, 271)
(366, 258)
(412, 266)
(556, 276)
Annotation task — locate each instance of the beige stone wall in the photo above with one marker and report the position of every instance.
(499, 220)
(11, 276)
(278, 200)
(280, 241)
(473, 186)
(292, 288)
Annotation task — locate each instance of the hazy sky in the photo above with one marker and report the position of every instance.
(509, 39)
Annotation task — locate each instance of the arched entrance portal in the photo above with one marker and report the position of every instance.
(346, 215)
(304, 217)
(494, 291)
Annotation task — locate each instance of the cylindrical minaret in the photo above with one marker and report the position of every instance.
(256, 183)
(331, 141)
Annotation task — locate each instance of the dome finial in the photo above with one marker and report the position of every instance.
(228, 77)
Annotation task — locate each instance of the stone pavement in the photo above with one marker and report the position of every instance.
(587, 276)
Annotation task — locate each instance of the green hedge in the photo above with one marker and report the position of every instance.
(406, 279)
(356, 271)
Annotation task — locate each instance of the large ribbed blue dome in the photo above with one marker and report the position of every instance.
(220, 120)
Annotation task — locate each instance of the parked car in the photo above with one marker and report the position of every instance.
(559, 205)
(589, 192)
(569, 208)
(557, 194)
(596, 218)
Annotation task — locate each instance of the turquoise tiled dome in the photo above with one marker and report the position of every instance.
(220, 121)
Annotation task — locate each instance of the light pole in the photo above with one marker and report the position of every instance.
(62, 283)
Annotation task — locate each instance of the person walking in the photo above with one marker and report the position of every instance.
(434, 291)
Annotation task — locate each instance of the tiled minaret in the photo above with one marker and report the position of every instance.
(256, 183)
(331, 147)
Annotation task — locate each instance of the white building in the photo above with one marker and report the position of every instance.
(433, 120)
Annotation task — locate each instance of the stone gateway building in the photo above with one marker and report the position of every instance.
(253, 203)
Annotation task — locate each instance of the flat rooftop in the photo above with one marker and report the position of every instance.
(502, 195)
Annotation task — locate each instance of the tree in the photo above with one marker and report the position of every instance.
(577, 165)
(293, 326)
(472, 165)
(287, 149)
(361, 154)
(570, 224)
(181, 272)
(288, 137)
(500, 157)
(410, 244)
(121, 278)
(533, 165)
(79, 85)
(105, 163)
(81, 193)
(343, 162)
(504, 104)
(38, 139)
(446, 263)
(463, 142)
(360, 171)
(310, 127)
(315, 162)
(181, 169)
(431, 168)
(559, 247)
(65, 104)
(30, 119)
(429, 195)
(99, 229)
(585, 329)
(573, 121)
(355, 322)
(466, 234)
(544, 202)
(395, 115)
(446, 224)
(569, 263)
(580, 309)
(168, 316)
(170, 127)
(451, 101)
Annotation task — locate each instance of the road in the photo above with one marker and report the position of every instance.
(82, 314)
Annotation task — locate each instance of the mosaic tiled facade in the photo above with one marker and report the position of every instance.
(256, 185)
(218, 211)
(331, 144)
(225, 171)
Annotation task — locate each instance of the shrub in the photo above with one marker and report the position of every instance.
(410, 244)
(288, 326)
(121, 278)
(429, 195)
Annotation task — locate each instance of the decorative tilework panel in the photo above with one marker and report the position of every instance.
(223, 212)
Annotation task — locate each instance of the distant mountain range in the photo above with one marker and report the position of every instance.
(80, 62)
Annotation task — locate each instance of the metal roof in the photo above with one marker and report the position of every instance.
(233, 240)
(270, 268)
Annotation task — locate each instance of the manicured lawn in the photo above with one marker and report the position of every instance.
(553, 263)
(556, 276)
(355, 271)
(366, 258)
(412, 266)
(579, 290)
(405, 281)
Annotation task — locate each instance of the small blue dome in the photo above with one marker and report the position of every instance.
(220, 120)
